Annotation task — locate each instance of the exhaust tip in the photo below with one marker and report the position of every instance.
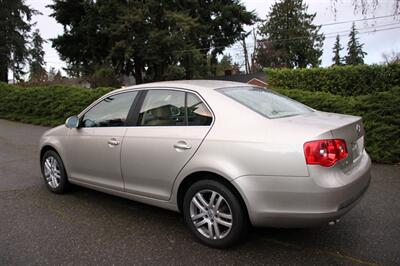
(334, 222)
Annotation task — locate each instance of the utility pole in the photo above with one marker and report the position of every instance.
(246, 55)
(253, 56)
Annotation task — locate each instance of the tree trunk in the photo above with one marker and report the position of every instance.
(213, 64)
(3, 71)
(188, 74)
(188, 69)
(138, 71)
(159, 72)
(246, 56)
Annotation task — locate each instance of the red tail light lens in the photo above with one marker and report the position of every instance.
(325, 152)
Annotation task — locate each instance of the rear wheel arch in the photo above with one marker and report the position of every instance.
(202, 175)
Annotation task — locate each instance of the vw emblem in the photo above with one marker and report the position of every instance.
(358, 128)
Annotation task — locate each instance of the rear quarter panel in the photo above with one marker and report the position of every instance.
(243, 142)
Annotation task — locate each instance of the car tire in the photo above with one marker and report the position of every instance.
(214, 214)
(53, 172)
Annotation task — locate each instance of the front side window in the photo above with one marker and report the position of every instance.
(266, 102)
(110, 112)
(163, 108)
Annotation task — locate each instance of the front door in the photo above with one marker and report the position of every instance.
(170, 127)
(94, 148)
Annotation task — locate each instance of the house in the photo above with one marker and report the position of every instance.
(258, 82)
(258, 79)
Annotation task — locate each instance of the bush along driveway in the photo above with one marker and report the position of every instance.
(380, 110)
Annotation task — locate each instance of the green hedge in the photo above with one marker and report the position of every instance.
(380, 112)
(342, 80)
(47, 106)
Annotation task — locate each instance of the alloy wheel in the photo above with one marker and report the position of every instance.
(211, 214)
(52, 172)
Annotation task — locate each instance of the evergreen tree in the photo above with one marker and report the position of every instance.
(37, 71)
(337, 60)
(158, 38)
(224, 64)
(355, 53)
(290, 37)
(15, 17)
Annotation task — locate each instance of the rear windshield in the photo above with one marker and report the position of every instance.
(265, 102)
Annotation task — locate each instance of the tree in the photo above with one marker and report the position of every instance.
(147, 37)
(268, 56)
(14, 34)
(355, 53)
(369, 6)
(224, 64)
(52, 74)
(390, 58)
(290, 37)
(37, 71)
(104, 77)
(337, 60)
(85, 42)
(236, 68)
(245, 52)
(221, 25)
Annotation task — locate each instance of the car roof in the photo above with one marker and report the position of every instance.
(195, 85)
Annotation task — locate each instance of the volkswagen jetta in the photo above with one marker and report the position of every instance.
(227, 155)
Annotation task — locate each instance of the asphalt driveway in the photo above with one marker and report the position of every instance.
(88, 227)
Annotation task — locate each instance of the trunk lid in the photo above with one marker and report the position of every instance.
(353, 134)
(347, 127)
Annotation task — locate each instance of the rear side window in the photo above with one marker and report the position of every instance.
(173, 108)
(266, 102)
(163, 108)
(110, 112)
(197, 112)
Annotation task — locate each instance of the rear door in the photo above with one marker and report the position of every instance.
(170, 126)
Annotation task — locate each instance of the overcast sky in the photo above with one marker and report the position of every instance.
(382, 40)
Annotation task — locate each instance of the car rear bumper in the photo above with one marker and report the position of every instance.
(291, 201)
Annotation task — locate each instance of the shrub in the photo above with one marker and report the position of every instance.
(340, 80)
(380, 112)
(45, 105)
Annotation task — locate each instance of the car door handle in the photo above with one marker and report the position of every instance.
(113, 142)
(182, 145)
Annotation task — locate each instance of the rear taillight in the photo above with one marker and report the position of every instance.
(325, 152)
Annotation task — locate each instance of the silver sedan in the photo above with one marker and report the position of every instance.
(227, 155)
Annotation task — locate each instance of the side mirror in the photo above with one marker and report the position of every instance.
(72, 122)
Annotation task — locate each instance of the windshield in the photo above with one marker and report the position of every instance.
(266, 102)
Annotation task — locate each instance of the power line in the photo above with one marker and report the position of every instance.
(344, 34)
(322, 25)
(300, 37)
(327, 24)
(333, 36)
(361, 29)
(356, 20)
(349, 21)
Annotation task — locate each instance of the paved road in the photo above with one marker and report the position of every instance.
(88, 227)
